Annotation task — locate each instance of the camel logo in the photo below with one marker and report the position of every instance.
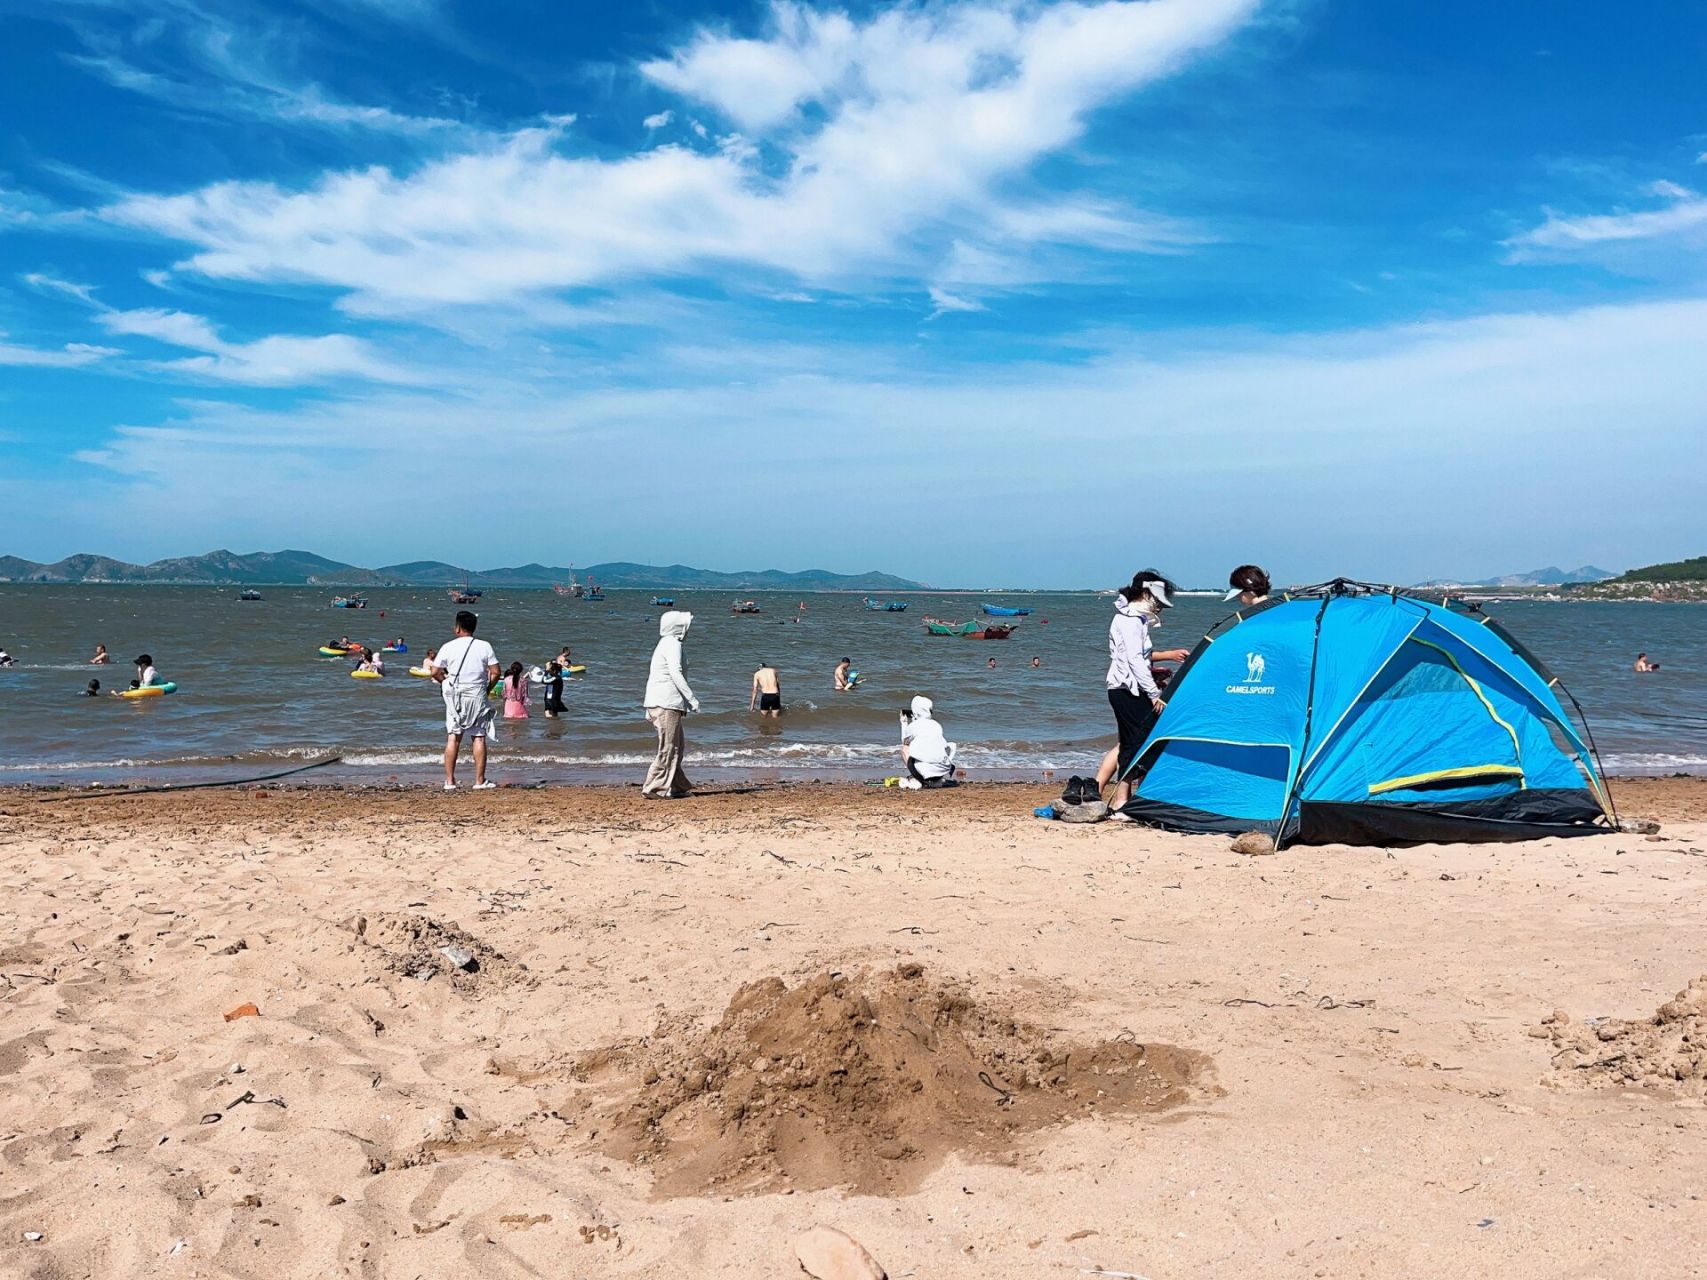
(1256, 671)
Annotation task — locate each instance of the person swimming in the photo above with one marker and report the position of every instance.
(101, 656)
(94, 689)
(1643, 665)
(371, 661)
(6, 659)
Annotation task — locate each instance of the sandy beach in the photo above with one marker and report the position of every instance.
(668, 1039)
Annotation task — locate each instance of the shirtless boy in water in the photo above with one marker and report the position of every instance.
(766, 698)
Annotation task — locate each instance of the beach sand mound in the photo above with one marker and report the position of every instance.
(867, 1081)
(1668, 1050)
(421, 947)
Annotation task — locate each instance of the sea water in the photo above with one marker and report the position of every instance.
(254, 696)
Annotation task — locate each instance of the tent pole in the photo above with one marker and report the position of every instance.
(1309, 711)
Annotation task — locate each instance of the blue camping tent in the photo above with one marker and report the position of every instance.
(1357, 715)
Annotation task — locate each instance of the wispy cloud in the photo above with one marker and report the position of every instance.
(42, 282)
(943, 302)
(274, 361)
(1681, 212)
(920, 121)
(1416, 400)
(70, 356)
(658, 120)
(206, 62)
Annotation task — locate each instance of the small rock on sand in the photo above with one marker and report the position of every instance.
(828, 1254)
(1253, 843)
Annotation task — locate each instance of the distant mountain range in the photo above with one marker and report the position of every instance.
(1551, 576)
(304, 568)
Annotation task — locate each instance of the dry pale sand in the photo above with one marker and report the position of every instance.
(1373, 1101)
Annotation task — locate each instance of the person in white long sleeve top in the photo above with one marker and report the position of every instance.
(669, 698)
(1132, 689)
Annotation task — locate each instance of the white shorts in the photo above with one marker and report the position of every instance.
(467, 713)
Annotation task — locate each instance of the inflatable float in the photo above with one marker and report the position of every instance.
(327, 651)
(367, 675)
(149, 691)
(395, 648)
(421, 673)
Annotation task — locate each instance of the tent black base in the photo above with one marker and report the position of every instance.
(1523, 815)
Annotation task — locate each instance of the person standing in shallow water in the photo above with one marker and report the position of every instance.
(669, 698)
(465, 669)
(766, 697)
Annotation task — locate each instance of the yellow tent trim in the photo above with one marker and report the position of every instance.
(1516, 750)
(1446, 775)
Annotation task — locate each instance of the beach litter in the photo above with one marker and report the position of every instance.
(868, 1080)
(825, 1253)
(420, 947)
(242, 1011)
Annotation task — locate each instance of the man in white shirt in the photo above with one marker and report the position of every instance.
(465, 669)
(925, 749)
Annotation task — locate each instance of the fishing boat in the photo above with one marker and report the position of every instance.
(937, 627)
(249, 594)
(745, 606)
(349, 602)
(884, 606)
(664, 602)
(593, 591)
(968, 630)
(465, 594)
(998, 611)
(569, 590)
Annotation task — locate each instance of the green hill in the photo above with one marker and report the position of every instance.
(1692, 570)
(1676, 580)
(296, 568)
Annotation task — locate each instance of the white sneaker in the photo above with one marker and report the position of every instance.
(912, 784)
(450, 786)
(485, 786)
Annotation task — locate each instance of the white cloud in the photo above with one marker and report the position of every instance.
(943, 302)
(71, 355)
(278, 360)
(658, 120)
(1684, 213)
(1380, 442)
(52, 284)
(922, 120)
(204, 62)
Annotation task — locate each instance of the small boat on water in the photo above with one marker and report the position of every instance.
(593, 592)
(464, 597)
(884, 606)
(745, 606)
(249, 594)
(968, 630)
(571, 590)
(349, 602)
(998, 611)
(937, 627)
(664, 602)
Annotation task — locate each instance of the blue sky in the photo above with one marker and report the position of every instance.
(975, 291)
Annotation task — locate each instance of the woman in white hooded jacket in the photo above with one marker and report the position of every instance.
(669, 698)
(1132, 689)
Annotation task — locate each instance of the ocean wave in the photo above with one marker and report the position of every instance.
(783, 756)
(1651, 762)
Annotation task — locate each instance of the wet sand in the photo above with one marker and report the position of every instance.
(1369, 1091)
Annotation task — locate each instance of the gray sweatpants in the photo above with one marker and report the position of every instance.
(665, 777)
